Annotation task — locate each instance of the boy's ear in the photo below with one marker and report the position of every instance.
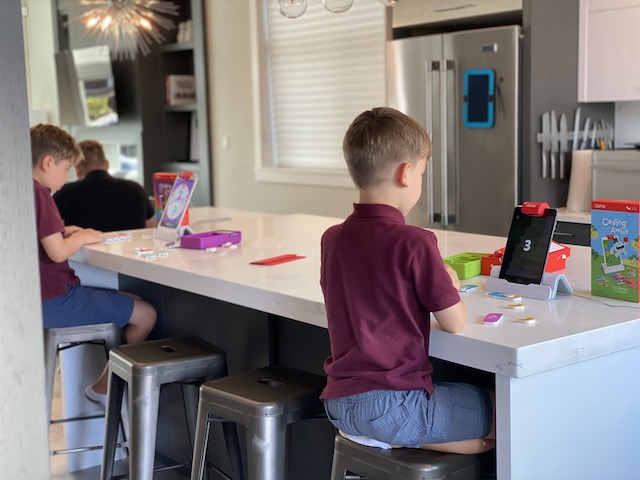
(46, 162)
(402, 174)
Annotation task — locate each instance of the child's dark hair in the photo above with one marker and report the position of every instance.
(380, 139)
(52, 140)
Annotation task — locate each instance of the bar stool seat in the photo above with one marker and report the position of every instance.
(58, 339)
(265, 401)
(144, 368)
(406, 463)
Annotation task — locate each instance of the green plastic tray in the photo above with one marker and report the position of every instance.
(467, 264)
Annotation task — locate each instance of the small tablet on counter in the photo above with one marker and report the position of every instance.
(525, 255)
(169, 225)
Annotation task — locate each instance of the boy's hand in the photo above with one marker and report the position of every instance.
(454, 276)
(60, 247)
(89, 235)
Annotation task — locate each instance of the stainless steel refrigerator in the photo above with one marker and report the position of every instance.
(463, 87)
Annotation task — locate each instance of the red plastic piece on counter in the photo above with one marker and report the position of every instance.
(276, 260)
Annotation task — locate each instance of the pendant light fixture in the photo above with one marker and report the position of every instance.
(127, 26)
(337, 6)
(292, 8)
(295, 8)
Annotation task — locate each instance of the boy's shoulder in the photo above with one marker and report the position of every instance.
(401, 232)
(417, 235)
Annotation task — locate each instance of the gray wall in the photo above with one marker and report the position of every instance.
(23, 423)
(550, 81)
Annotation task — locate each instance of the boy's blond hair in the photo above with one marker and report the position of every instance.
(380, 139)
(52, 140)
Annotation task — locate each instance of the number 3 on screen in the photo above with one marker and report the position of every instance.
(527, 245)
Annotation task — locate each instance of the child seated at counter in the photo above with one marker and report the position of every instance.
(381, 280)
(65, 302)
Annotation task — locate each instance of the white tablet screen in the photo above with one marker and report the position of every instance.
(175, 208)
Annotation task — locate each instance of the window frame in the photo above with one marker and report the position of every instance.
(266, 167)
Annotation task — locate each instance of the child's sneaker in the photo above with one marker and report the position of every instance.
(99, 398)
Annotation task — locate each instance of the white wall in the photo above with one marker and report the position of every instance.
(232, 101)
(23, 423)
(39, 51)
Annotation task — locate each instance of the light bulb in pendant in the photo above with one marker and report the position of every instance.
(337, 6)
(292, 8)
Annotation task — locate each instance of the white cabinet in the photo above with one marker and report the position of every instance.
(609, 51)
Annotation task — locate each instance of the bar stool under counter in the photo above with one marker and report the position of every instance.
(266, 402)
(145, 368)
(56, 340)
(350, 458)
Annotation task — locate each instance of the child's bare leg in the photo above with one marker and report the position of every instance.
(143, 319)
(476, 445)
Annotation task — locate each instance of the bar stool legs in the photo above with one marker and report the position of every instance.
(114, 405)
(269, 448)
(144, 368)
(57, 339)
(265, 401)
(229, 430)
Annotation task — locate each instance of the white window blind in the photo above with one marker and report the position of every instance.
(323, 69)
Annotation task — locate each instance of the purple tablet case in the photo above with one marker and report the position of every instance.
(217, 238)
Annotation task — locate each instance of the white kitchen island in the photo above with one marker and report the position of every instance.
(567, 388)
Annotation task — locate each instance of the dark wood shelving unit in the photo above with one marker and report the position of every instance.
(167, 129)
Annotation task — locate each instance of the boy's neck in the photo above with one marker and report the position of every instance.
(379, 196)
(38, 177)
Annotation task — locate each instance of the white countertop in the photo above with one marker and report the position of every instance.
(569, 329)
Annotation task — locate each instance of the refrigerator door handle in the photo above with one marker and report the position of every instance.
(445, 66)
(430, 66)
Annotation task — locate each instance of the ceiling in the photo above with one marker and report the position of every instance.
(418, 12)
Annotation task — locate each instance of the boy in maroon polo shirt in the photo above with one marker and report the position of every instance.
(381, 280)
(65, 303)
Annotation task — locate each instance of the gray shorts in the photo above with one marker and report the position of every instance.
(455, 411)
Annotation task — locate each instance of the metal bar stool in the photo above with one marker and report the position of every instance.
(144, 368)
(266, 401)
(350, 458)
(58, 339)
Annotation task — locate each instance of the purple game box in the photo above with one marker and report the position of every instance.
(217, 238)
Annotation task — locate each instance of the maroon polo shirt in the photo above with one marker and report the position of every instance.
(381, 279)
(54, 277)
